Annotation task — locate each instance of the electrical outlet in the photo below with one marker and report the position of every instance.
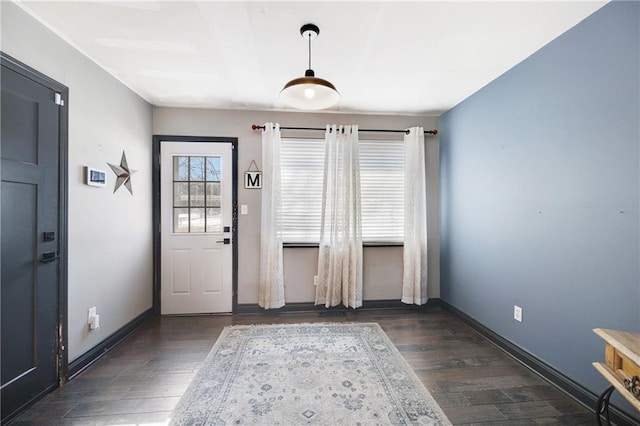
(517, 313)
(315, 280)
(95, 322)
(91, 313)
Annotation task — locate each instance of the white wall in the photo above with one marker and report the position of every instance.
(110, 240)
(382, 265)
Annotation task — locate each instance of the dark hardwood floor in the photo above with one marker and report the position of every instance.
(141, 380)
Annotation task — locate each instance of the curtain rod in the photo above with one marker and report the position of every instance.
(427, 132)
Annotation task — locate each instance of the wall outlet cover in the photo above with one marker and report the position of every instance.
(91, 313)
(95, 322)
(517, 313)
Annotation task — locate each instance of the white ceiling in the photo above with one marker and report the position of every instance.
(383, 57)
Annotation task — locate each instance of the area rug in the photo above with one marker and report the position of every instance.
(296, 374)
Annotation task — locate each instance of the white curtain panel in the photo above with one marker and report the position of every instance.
(271, 289)
(340, 251)
(414, 280)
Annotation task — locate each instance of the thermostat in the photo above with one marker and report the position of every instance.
(95, 177)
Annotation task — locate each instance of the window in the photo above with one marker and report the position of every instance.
(381, 181)
(196, 194)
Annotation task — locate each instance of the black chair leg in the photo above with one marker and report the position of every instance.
(603, 406)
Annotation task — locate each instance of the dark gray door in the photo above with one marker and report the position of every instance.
(30, 238)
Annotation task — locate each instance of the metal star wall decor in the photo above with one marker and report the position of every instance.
(123, 174)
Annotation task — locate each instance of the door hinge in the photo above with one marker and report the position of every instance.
(59, 100)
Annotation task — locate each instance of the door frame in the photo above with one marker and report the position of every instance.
(63, 184)
(157, 140)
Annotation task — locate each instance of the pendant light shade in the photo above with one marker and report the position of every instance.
(309, 92)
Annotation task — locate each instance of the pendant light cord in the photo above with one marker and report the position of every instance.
(309, 50)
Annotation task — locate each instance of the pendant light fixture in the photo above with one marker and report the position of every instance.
(309, 92)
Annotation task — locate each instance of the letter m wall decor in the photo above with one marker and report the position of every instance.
(253, 178)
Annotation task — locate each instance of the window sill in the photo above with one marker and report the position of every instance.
(315, 245)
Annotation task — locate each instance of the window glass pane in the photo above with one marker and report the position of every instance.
(196, 195)
(196, 186)
(213, 169)
(181, 168)
(180, 194)
(181, 220)
(213, 190)
(213, 202)
(214, 223)
(196, 218)
(196, 167)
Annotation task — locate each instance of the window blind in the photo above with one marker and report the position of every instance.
(381, 185)
(381, 181)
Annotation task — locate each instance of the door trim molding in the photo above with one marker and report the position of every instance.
(157, 140)
(63, 179)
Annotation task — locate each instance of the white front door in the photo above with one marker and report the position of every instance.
(196, 214)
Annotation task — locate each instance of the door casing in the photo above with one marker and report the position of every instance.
(157, 140)
(63, 140)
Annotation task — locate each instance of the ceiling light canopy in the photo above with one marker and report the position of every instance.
(309, 92)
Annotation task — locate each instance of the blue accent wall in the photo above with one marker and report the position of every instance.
(540, 186)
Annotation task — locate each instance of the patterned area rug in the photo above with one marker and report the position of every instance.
(296, 374)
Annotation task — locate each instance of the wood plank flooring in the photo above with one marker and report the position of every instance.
(141, 380)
